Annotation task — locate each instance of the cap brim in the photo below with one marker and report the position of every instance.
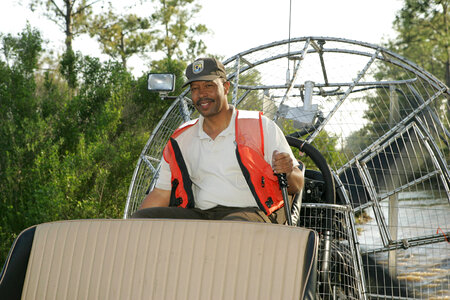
(201, 78)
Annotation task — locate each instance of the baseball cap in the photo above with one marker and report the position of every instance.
(205, 69)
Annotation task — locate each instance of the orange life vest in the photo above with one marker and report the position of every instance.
(263, 183)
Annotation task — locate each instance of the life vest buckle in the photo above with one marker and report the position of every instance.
(269, 202)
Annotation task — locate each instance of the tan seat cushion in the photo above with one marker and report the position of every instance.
(165, 259)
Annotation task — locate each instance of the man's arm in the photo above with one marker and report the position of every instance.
(156, 198)
(295, 181)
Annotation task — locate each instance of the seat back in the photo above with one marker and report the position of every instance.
(161, 259)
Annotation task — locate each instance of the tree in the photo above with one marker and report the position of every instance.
(424, 38)
(63, 156)
(71, 16)
(69, 155)
(178, 38)
(23, 52)
(121, 37)
(423, 35)
(20, 129)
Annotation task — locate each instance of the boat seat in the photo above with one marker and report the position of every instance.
(161, 259)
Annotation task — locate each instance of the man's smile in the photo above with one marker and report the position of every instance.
(204, 102)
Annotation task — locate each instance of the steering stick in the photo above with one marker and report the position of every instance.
(282, 180)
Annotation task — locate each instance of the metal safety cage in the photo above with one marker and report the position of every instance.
(382, 124)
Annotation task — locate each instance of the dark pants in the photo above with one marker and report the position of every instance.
(251, 214)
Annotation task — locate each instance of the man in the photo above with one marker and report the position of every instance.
(221, 166)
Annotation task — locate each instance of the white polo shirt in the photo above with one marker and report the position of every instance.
(212, 164)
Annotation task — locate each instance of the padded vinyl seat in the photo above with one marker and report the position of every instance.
(161, 259)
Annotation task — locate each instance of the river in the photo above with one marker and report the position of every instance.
(425, 269)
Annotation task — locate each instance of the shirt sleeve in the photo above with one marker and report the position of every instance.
(165, 176)
(274, 139)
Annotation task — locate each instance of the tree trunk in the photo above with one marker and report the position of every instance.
(68, 19)
(122, 51)
(447, 43)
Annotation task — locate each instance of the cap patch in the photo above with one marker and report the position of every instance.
(197, 67)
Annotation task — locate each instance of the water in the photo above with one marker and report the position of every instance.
(425, 269)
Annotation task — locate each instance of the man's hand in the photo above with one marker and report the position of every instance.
(282, 163)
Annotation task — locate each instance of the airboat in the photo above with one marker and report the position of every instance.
(373, 131)
(381, 123)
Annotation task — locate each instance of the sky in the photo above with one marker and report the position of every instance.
(238, 25)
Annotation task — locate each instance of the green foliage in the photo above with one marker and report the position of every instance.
(254, 99)
(122, 37)
(423, 35)
(325, 142)
(72, 17)
(22, 51)
(195, 46)
(68, 153)
(67, 67)
(19, 129)
(179, 38)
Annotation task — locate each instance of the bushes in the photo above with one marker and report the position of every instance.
(67, 153)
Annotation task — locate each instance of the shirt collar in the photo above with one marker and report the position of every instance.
(225, 132)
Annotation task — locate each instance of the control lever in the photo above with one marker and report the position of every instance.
(282, 180)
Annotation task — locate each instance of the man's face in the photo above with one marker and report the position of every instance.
(209, 97)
